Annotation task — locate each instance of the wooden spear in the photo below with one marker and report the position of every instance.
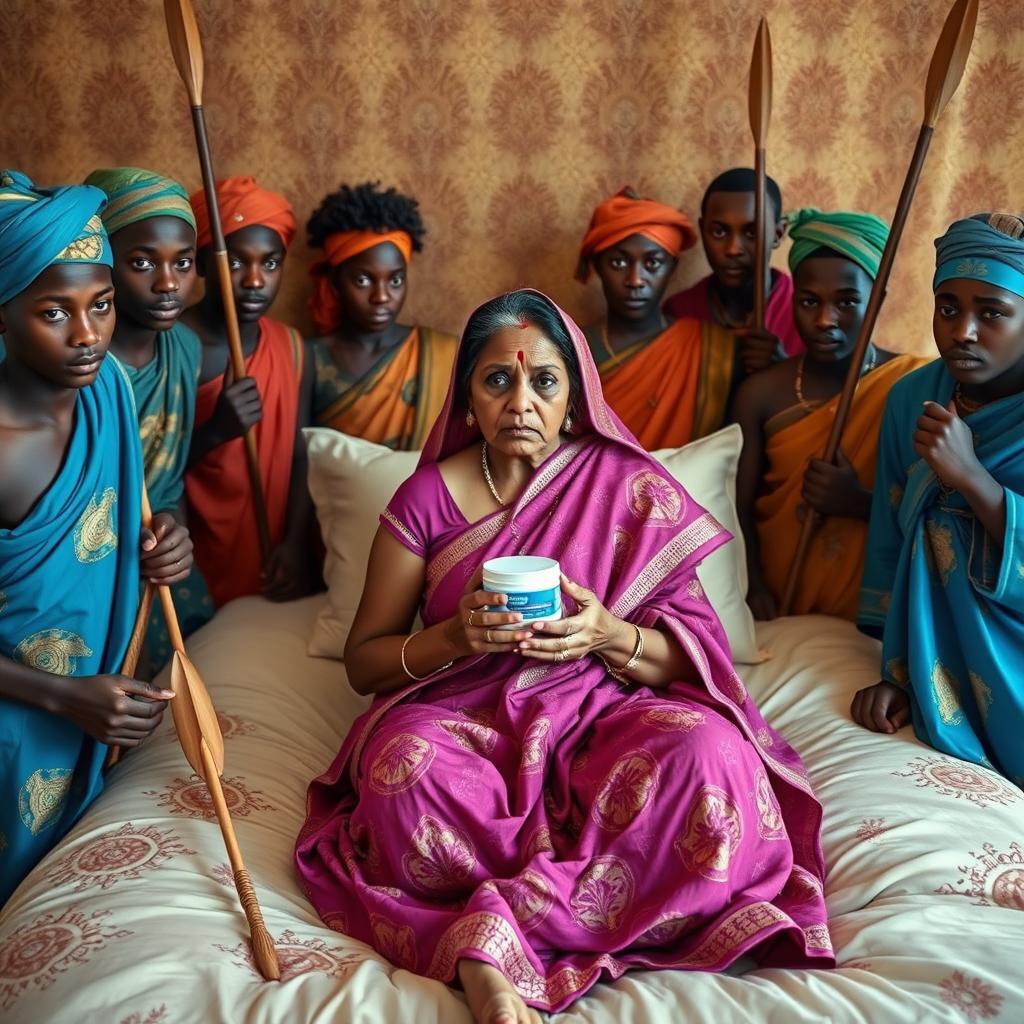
(131, 658)
(760, 103)
(187, 49)
(944, 74)
(202, 743)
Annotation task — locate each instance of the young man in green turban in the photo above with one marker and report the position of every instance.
(787, 411)
(152, 232)
(72, 547)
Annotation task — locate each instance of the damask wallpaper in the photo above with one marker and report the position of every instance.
(510, 119)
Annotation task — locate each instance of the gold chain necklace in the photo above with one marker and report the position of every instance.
(798, 384)
(487, 474)
(965, 405)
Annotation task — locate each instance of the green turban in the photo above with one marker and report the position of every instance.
(860, 237)
(134, 194)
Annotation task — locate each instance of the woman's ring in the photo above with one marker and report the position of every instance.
(487, 636)
(469, 621)
(565, 644)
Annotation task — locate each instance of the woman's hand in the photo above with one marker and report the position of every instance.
(166, 551)
(946, 443)
(474, 630)
(586, 632)
(883, 707)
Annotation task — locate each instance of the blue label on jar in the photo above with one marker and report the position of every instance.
(539, 604)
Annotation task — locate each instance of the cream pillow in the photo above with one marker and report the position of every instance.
(352, 480)
(707, 469)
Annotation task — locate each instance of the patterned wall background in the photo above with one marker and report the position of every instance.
(510, 119)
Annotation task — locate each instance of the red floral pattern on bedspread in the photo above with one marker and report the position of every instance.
(112, 857)
(960, 780)
(35, 954)
(191, 799)
(971, 996)
(996, 877)
(299, 956)
(158, 1015)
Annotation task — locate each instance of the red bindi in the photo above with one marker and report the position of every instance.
(519, 356)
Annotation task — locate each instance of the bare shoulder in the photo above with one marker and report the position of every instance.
(28, 463)
(763, 394)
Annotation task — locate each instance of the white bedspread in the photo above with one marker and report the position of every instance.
(133, 920)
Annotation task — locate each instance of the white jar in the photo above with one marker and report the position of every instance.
(532, 585)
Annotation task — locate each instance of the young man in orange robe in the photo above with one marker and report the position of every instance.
(273, 398)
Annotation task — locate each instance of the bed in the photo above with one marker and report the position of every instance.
(132, 919)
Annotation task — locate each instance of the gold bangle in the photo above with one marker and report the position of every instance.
(405, 668)
(638, 651)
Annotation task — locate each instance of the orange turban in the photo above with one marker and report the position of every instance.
(324, 306)
(627, 214)
(243, 203)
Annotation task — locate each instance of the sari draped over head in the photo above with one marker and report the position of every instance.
(542, 817)
(830, 581)
(675, 388)
(695, 303)
(947, 598)
(222, 521)
(69, 590)
(397, 400)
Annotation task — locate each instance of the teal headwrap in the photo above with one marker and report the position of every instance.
(136, 194)
(860, 237)
(972, 248)
(39, 227)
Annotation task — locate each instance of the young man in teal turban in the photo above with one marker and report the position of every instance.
(152, 233)
(944, 581)
(787, 411)
(72, 548)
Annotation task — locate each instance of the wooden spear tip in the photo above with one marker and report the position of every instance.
(949, 59)
(760, 88)
(186, 46)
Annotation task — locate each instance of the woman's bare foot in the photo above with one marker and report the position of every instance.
(491, 997)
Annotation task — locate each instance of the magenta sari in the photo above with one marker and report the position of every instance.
(544, 817)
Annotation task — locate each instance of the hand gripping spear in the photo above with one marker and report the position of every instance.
(187, 49)
(944, 74)
(760, 103)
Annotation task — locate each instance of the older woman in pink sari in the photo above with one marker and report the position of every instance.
(529, 809)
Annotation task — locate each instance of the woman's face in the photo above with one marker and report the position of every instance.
(979, 331)
(519, 393)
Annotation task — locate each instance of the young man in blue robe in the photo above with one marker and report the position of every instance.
(72, 547)
(944, 578)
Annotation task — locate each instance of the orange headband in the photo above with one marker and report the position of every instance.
(339, 247)
(626, 214)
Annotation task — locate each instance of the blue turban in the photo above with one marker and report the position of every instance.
(40, 227)
(975, 249)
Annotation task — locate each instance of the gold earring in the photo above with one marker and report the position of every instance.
(470, 418)
(567, 425)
